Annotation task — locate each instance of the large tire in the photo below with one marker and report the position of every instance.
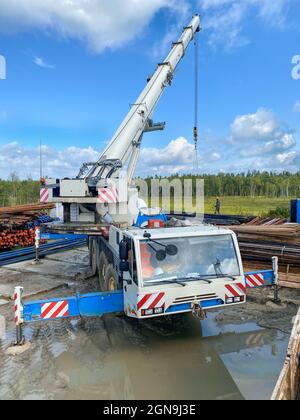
(102, 268)
(111, 279)
(93, 257)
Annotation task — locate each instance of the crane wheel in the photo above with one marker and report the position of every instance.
(93, 257)
(103, 264)
(111, 279)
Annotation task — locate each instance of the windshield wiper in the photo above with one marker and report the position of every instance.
(200, 278)
(180, 280)
(222, 276)
(176, 281)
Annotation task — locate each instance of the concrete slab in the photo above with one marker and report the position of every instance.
(53, 268)
(64, 269)
(32, 283)
(72, 257)
(8, 276)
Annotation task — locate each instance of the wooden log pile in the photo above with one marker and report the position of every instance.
(262, 242)
(14, 230)
(26, 209)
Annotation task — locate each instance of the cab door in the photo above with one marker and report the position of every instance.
(130, 282)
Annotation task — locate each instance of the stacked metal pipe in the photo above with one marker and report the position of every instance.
(17, 224)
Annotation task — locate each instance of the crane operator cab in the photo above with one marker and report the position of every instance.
(175, 270)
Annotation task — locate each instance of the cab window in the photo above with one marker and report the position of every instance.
(132, 261)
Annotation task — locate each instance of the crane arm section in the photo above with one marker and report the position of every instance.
(128, 136)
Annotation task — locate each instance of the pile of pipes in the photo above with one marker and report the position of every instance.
(12, 238)
(28, 253)
(261, 241)
(213, 219)
(17, 224)
(225, 220)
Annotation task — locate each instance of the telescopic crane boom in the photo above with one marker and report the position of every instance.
(100, 186)
(125, 144)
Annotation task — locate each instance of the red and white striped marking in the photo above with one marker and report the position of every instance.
(151, 301)
(18, 308)
(108, 195)
(255, 280)
(44, 195)
(54, 310)
(104, 230)
(255, 340)
(235, 290)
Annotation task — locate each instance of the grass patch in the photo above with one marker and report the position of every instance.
(254, 206)
(245, 206)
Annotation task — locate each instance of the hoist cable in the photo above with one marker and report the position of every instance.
(196, 105)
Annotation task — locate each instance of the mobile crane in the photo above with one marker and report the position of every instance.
(145, 269)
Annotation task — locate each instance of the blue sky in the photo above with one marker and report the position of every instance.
(72, 71)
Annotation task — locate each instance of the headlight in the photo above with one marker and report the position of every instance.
(237, 299)
(148, 312)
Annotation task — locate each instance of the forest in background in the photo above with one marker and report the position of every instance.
(15, 191)
(251, 184)
(271, 190)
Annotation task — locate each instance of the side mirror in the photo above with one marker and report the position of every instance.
(161, 255)
(123, 255)
(124, 266)
(123, 250)
(172, 250)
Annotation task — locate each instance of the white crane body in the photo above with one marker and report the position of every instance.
(161, 271)
(122, 152)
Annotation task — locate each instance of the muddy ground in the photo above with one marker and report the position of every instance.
(236, 353)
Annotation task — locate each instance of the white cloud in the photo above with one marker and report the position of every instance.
(297, 107)
(261, 133)
(258, 126)
(216, 156)
(289, 159)
(177, 156)
(181, 13)
(99, 23)
(56, 163)
(224, 19)
(258, 141)
(39, 61)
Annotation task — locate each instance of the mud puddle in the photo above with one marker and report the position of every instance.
(119, 358)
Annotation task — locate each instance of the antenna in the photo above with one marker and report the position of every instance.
(41, 161)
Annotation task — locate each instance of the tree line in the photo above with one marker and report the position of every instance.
(251, 184)
(15, 191)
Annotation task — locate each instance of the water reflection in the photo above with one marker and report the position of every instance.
(172, 360)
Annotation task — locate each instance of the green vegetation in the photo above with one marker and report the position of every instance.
(252, 193)
(251, 184)
(14, 191)
(254, 206)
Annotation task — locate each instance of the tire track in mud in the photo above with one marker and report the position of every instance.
(39, 372)
(60, 348)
